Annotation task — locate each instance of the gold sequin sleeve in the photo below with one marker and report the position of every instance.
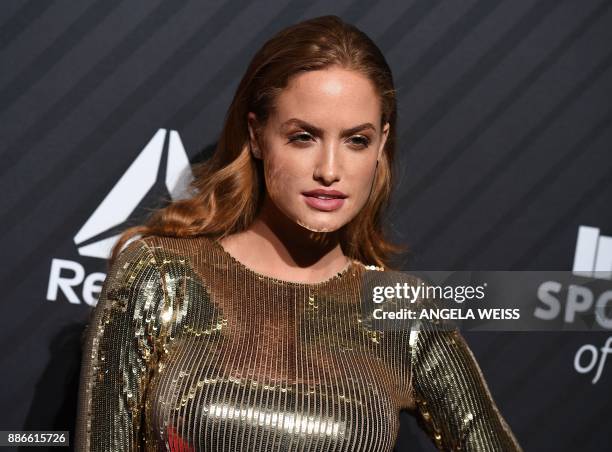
(453, 402)
(118, 352)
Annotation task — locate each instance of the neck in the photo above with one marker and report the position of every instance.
(276, 245)
(304, 247)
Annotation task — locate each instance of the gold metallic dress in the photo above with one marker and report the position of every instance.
(190, 350)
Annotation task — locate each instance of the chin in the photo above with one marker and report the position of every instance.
(316, 226)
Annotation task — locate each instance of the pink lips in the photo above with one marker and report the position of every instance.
(325, 200)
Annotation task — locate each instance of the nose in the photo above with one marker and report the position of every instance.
(327, 170)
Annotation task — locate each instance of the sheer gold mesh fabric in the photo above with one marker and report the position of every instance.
(189, 350)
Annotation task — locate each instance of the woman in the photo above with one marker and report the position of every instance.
(234, 322)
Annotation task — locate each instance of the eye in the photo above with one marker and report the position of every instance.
(301, 137)
(360, 141)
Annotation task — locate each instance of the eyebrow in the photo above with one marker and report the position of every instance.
(317, 131)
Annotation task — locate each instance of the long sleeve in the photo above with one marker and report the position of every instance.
(453, 402)
(118, 351)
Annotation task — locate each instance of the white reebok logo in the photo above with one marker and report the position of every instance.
(143, 174)
(593, 254)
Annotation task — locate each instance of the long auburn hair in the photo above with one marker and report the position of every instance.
(228, 188)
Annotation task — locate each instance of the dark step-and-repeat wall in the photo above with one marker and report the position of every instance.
(505, 158)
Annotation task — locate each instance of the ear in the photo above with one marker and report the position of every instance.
(385, 134)
(253, 127)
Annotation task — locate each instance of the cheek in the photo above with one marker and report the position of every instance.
(363, 179)
(280, 175)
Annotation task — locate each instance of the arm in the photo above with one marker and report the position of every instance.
(118, 351)
(453, 402)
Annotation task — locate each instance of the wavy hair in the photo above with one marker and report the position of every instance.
(228, 188)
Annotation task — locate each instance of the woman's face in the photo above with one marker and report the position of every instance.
(320, 147)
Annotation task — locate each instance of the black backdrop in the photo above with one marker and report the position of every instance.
(504, 152)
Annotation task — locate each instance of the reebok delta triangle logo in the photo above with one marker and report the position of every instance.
(163, 162)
